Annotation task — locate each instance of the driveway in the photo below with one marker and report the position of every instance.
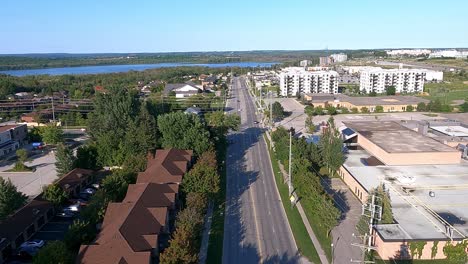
(350, 208)
(29, 183)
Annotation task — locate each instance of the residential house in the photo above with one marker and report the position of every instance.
(74, 181)
(23, 224)
(182, 90)
(12, 137)
(135, 230)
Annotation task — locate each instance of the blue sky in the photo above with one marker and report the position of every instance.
(87, 26)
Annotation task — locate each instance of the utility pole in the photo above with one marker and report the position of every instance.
(53, 109)
(290, 164)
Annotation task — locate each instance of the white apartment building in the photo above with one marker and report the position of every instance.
(449, 54)
(408, 52)
(295, 80)
(433, 76)
(404, 80)
(339, 57)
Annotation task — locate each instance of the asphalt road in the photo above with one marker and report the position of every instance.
(256, 229)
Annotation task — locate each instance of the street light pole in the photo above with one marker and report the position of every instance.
(290, 164)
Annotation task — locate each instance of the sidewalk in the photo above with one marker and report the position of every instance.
(206, 234)
(318, 247)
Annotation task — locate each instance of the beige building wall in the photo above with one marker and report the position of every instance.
(353, 185)
(413, 158)
(388, 250)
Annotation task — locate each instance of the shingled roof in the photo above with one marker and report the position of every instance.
(130, 229)
(166, 166)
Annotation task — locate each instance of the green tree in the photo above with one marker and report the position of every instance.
(309, 110)
(277, 110)
(463, 107)
(379, 109)
(184, 131)
(65, 161)
(354, 110)
(51, 134)
(116, 112)
(220, 123)
(364, 109)
(54, 252)
(182, 249)
(385, 203)
(390, 90)
(22, 155)
(10, 198)
(456, 253)
(421, 107)
(86, 157)
(409, 108)
(331, 110)
(203, 177)
(54, 194)
(344, 110)
(319, 110)
(79, 232)
(309, 124)
(331, 147)
(115, 185)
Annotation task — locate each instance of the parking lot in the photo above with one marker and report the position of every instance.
(29, 183)
(54, 230)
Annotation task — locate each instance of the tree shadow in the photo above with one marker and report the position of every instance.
(338, 196)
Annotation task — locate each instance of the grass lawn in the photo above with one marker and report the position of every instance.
(303, 241)
(215, 245)
(447, 92)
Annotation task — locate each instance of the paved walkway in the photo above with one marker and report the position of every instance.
(305, 220)
(206, 235)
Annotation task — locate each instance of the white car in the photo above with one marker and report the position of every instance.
(73, 207)
(33, 243)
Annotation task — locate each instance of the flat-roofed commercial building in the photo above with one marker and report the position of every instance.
(388, 103)
(404, 80)
(294, 80)
(394, 144)
(427, 192)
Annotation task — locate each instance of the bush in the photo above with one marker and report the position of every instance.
(409, 108)
(54, 194)
(54, 252)
(379, 109)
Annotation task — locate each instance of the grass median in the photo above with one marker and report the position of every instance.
(303, 241)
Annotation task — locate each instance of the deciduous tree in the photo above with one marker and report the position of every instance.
(54, 252)
(54, 194)
(10, 198)
(65, 161)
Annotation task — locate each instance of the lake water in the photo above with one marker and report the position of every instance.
(130, 67)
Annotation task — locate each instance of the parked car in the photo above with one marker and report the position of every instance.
(84, 196)
(28, 252)
(79, 201)
(33, 243)
(255, 122)
(66, 214)
(96, 186)
(73, 207)
(89, 191)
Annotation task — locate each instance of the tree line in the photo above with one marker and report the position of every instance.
(308, 159)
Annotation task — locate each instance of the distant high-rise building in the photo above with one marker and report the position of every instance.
(449, 54)
(339, 57)
(404, 80)
(408, 52)
(294, 80)
(324, 61)
(304, 63)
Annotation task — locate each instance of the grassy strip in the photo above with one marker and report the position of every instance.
(215, 244)
(321, 233)
(414, 261)
(303, 241)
